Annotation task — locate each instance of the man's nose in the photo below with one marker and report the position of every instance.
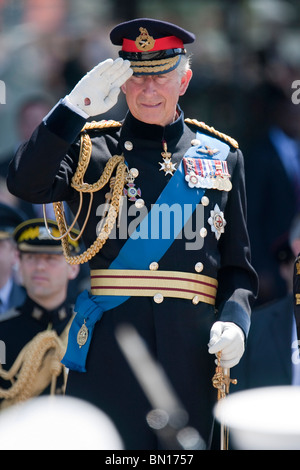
(40, 263)
(149, 84)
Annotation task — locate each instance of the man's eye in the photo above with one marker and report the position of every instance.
(160, 78)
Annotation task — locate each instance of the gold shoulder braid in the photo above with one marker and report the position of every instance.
(117, 162)
(37, 366)
(212, 130)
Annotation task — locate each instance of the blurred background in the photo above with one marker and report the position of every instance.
(245, 60)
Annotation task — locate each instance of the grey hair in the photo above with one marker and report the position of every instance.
(184, 65)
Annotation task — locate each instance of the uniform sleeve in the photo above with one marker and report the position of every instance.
(42, 168)
(238, 283)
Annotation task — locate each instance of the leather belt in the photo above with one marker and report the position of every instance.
(156, 284)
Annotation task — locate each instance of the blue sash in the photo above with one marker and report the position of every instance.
(138, 252)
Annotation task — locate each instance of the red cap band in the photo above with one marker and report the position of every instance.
(162, 44)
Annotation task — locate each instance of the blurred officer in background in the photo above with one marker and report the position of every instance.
(11, 293)
(45, 276)
(271, 356)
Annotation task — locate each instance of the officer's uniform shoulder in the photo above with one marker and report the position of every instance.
(12, 313)
(193, 123)
(102, 125)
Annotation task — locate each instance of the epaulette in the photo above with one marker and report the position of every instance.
(9, 314)
(212, 130)
(104, 124)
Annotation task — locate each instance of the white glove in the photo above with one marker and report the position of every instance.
(99, 89)
(228, 338)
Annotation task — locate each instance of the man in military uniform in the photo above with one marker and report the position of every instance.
(181, 285)
(11, 293)
(45, 276)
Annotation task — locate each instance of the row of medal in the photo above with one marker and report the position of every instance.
(199, 173)
(216, 220)
(206, 173)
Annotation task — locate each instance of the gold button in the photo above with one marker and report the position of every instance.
(199, 267)
(158, 298)
(134, 171)
(153, 266)
(196, 300)
(128, 145)
(139, 203)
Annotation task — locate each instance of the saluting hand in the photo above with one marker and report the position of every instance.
(99, 89)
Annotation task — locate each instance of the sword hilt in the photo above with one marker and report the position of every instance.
(221, 381)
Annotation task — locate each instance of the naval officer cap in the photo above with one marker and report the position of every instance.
(152, 46)
(10, 218)
(32, 236)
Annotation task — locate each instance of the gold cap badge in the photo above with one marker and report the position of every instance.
(144, 42)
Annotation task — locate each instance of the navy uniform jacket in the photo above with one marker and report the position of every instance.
(176, 331)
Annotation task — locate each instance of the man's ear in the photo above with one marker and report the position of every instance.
(73, 271)
(185, 80)
(123, 88)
